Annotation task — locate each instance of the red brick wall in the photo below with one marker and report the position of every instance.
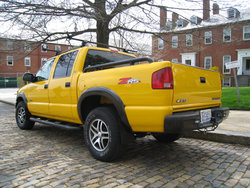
(216, 50)
(19, 55)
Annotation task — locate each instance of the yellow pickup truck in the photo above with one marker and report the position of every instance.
(115, 97)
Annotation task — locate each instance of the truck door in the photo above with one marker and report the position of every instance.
(38, 100)
(60, 88)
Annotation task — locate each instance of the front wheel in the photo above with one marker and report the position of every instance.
(23, 117)
(166, 138)
(102, 134)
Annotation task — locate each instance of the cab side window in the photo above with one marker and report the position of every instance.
(65, 64)
(44, 71)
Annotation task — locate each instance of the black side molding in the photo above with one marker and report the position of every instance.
(56, 124)
(21, 95)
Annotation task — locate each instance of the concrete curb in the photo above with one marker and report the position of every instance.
(223, 136)
(7, 102)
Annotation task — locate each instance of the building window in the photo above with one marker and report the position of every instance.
(58, 48)
(174, 60)
(227, 35)
(246, 33)
(189, 40)
(44, 47)
(207, 62)
(27, 46)
(174, 41)
(27, 61)
(10, 61)
(10, 45)
(208, 37)
(226, 82)
(43, 61)
(226, 59)
(160, 43)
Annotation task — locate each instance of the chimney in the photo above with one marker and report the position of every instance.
(216, 9)
(175, 17)
(163, 18)
(206, 9)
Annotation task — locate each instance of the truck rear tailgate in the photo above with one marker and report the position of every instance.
(195, 88)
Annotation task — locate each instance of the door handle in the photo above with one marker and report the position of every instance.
(67, 84)
(46, 86)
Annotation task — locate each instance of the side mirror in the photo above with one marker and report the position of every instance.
(29, 77)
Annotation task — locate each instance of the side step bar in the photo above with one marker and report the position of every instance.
(54, 124)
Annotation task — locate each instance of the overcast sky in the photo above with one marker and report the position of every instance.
(198, 5)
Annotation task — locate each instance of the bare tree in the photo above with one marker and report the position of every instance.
(101, 17)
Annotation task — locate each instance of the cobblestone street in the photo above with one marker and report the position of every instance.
(52, 157)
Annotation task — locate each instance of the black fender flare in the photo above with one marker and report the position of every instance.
(21, 95)
(111, 95)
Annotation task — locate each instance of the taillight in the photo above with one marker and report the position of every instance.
(163, 79)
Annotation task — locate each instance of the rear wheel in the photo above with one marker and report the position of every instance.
(166, 138)
(23, 117)
(102, 134)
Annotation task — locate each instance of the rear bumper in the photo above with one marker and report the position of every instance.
(181, 122)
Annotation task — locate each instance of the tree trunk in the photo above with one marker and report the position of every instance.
(102, 23)
(102, 33)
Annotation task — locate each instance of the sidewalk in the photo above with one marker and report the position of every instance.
(236, 129)
(8, 95)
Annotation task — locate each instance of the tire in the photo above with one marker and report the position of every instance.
(23, 117)
(166, 138)
(102, 134)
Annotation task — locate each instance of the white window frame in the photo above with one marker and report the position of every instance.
(189, 37)
(229, 82)
(42, 48)
(160, 43)
(27, 46)
(175, 41)
(7, 60)
(246, 26)
(225, 32)
(205, 61)
(27, 61)
(224, 70)
(208, 35)
(43, 59)
(174, 60)
(57, 47)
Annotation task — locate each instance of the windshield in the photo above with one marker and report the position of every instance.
(44, 71)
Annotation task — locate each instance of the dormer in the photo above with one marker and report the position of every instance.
(169, 25)
(195, 20)
(181, 23)
(233, 13)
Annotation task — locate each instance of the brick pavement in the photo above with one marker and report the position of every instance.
(51, 157)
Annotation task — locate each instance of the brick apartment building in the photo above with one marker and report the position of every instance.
(211, 41)
(18, 56)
